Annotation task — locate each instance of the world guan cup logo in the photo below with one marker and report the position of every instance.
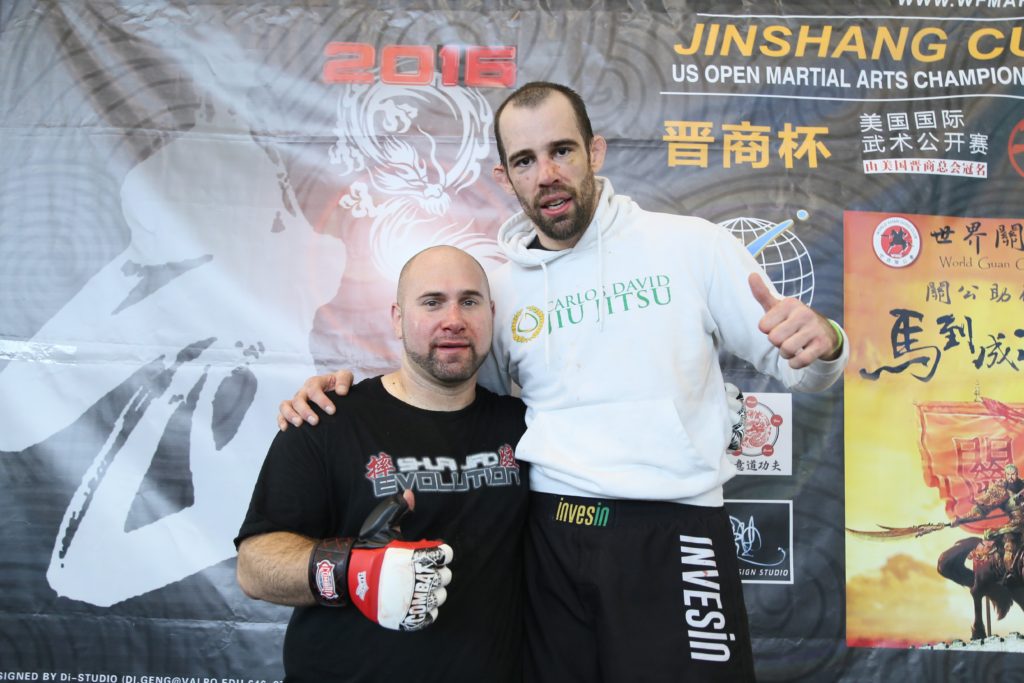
(897, 242)
(1015, 148)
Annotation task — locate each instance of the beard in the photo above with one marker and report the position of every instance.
(448, 373)
(572, 225)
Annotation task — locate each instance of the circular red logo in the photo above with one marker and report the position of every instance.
(1015, 147)
(897, 242)
(761, 429)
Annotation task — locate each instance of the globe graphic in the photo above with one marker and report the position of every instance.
(784, 259)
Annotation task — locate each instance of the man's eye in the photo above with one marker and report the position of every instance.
(470, 302)
(562, 151)
(521, 162)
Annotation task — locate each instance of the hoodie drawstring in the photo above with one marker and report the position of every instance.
(596, 225)
(517, 233)
(547, 346)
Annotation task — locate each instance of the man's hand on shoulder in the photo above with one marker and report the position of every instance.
(313, 390)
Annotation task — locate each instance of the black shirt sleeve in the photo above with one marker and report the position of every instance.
(293, 492)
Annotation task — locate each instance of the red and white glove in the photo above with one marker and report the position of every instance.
(400, 585)
(397, 584)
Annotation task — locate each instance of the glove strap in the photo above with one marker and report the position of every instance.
(328, 571)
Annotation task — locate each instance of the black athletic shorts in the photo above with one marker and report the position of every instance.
(624, 590)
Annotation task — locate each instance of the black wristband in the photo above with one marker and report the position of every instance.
(328, 571)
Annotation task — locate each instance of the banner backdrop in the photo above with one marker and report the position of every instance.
(203, 204)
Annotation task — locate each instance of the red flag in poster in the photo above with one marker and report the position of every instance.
(964, 447)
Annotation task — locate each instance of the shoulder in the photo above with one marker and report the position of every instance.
(678, 227)
(997, 485)
(994, 492)
(500, 278)
(368, 391)
(500, 274)
(367, 395)
(361, 408)
(694, 244)
(691, 224)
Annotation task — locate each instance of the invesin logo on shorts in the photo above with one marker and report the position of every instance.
(581, 514)
(897, 242)
(527, 324)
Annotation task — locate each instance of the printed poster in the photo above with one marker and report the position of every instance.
(934, 415)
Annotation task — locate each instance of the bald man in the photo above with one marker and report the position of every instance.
(426, 428)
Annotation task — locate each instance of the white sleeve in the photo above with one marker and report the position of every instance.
(736, 313)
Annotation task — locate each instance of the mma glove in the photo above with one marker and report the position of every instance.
(397, 584)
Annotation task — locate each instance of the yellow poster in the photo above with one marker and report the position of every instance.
(934, 423)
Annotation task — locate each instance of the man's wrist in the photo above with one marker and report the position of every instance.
(837, 350)
(328, 571)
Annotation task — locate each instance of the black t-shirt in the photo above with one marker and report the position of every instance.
(470, 491)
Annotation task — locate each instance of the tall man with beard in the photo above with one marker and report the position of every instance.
(426, 428)
(610, 319)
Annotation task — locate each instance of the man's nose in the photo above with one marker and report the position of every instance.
(548, 171)
(454, 317)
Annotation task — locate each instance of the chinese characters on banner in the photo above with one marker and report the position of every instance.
(934, 309)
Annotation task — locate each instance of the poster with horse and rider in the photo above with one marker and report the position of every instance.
(934, 496)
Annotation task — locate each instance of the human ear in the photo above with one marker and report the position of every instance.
(501, 177)
(598, 148)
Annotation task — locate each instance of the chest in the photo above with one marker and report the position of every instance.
(457, 469)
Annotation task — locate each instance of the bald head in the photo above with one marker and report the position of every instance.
(433, 259)
(444, 317)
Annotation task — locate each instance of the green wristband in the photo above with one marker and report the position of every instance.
(839, 334)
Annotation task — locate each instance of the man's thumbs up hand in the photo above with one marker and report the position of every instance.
(801, 335)
(762, 293)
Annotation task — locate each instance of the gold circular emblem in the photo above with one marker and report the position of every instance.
(527, 328)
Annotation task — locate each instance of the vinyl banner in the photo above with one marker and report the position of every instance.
(203, 204)
(945, 345)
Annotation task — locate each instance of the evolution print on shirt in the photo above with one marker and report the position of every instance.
(442, 474)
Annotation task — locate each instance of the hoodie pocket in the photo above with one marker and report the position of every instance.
(640, 438)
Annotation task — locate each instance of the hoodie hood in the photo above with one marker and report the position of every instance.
(516, 234)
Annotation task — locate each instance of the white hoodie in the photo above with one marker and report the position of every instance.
(615, 344)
